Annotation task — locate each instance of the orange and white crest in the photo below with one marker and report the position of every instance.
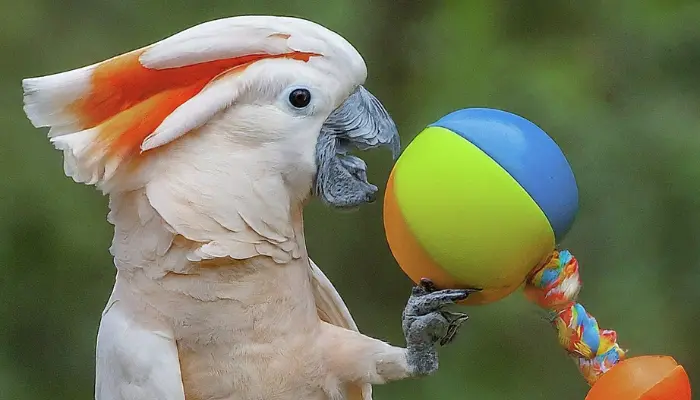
(103, 114)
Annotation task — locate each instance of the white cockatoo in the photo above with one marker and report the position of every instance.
(209, 143)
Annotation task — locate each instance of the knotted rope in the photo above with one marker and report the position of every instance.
(554, 286)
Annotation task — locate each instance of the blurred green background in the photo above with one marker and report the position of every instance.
(615, 83)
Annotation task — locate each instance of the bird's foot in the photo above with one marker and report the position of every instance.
(426, 323)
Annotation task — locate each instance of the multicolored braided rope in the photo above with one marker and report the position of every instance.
(555, 285)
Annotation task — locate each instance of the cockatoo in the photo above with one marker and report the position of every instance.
(209, 143)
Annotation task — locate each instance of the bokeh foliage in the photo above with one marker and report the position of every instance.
(615, 83)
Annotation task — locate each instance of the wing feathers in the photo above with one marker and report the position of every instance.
(135, 362)
(330, 305)
(332, 309)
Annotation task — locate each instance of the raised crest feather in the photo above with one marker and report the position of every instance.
(112, 111)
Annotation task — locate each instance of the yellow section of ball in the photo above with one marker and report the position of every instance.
(469, 215)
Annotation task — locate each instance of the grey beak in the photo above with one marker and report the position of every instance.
(361, 122)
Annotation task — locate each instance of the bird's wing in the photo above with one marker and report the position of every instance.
(332, 309)
(134, 361)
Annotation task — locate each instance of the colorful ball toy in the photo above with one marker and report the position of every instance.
(481, 199)
(478, 199)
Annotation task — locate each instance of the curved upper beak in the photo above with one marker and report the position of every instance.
(361, 122)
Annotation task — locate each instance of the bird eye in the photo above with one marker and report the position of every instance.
(300, 98)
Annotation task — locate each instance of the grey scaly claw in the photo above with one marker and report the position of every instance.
(426, 323)
(456, 320)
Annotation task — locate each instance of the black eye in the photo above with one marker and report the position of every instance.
(300, 98)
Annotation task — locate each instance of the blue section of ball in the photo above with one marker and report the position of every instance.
(528, 154)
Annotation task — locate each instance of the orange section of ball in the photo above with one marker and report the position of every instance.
(643, 378)
(413, 259)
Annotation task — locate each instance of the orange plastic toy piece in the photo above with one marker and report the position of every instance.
(643, 378)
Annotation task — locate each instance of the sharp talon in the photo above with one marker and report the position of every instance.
(462, 296)
(427, 285)
(449, 335)
(452, 330)
(468, 292)
(454, 294)
(456, 320)
(454, 316)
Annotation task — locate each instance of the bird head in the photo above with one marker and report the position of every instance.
(240, 100)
